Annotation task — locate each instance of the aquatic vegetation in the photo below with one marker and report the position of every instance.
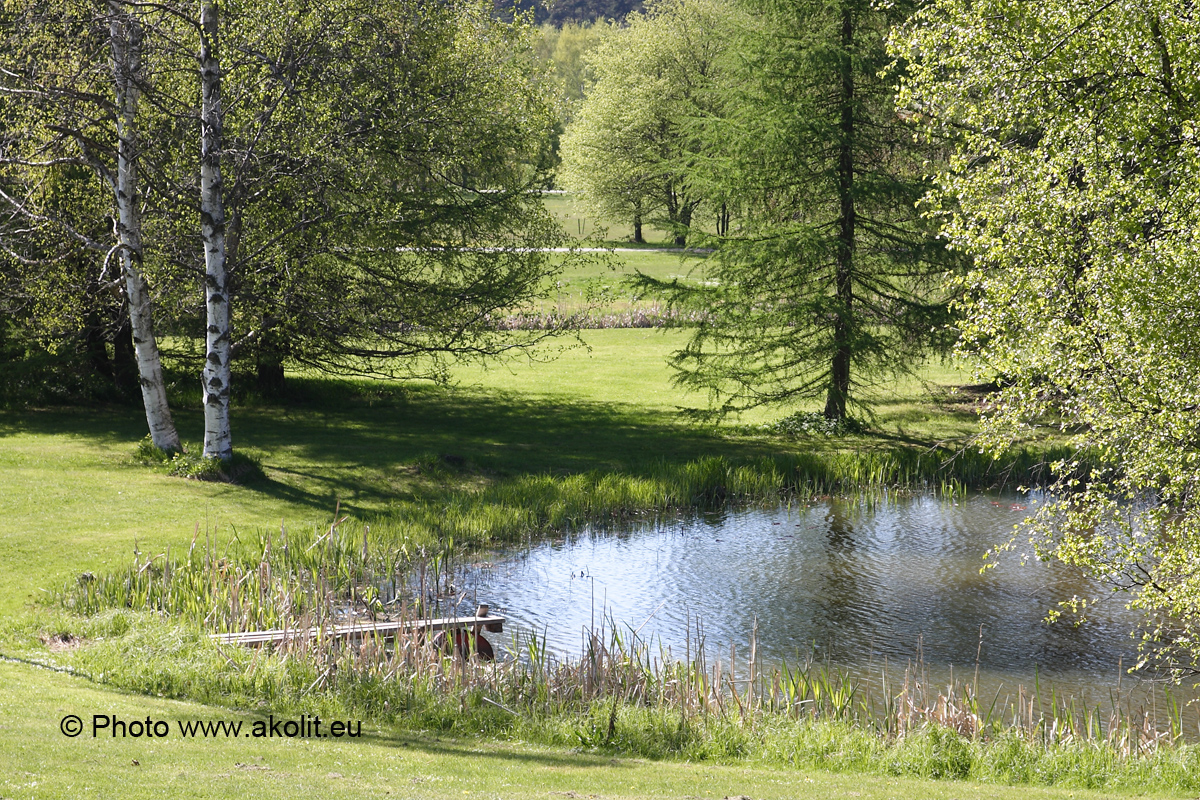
(147, 629)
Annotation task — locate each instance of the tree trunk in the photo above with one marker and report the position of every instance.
(270, 380)
(638, 238)
(839, 369)
(269, 375)
(125, 39)
(218, 442)
(684, 223)
(124, 360)
(94, 344)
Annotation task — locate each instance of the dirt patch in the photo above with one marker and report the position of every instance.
(58, 642)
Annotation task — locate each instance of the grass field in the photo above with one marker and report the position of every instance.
(75, 499)
(598, 279)
(39, 762)
(579, 225)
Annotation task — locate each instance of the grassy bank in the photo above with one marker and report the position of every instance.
(595, 432)
(40, 762)
(620, 700)
(579, 433)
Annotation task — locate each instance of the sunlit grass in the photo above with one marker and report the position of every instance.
(598, 282)
(41, 762)
(75, 499)
(621, 696)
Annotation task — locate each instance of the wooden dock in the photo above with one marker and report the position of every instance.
(364, 629)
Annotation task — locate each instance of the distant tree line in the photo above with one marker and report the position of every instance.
(562, 12)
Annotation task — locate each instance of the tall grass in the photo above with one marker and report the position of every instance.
(627, 695)
(271, 579)
(524, 506)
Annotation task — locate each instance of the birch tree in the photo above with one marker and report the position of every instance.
(74, 91)
(218, 331)
(127, 36)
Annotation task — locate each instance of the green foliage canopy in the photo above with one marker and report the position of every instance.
(378, 160)
(567, 49)
(1075, 189)
(629, 149)
(397, 215)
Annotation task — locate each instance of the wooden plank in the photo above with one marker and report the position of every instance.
(384, 629)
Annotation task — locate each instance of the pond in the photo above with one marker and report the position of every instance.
(860, 585)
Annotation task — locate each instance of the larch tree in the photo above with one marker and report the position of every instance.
(56, 306)
(830, 276)
(1075, 188)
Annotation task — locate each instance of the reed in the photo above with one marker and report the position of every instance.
(312, 581)
(521, 507)
(625, 694)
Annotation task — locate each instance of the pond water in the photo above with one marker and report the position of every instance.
(859, 585)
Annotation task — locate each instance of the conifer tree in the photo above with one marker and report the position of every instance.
(829, 276)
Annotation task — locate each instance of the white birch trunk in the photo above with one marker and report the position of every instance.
(218, 442)
(125, 37)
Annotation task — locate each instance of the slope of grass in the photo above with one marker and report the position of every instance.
(40, 762)
(72, 497)
(563, 430)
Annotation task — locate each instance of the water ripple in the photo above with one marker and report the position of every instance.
(850, 582)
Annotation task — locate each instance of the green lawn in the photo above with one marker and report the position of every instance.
(40, 762)
(578, 224)
(74, 499)
(599, 280)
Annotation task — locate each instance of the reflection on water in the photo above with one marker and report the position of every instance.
(858, 584)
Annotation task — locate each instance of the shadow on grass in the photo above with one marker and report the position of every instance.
(475, 751)
(502, 433)
(368, 445)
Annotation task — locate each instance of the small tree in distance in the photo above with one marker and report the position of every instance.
(629, 151)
